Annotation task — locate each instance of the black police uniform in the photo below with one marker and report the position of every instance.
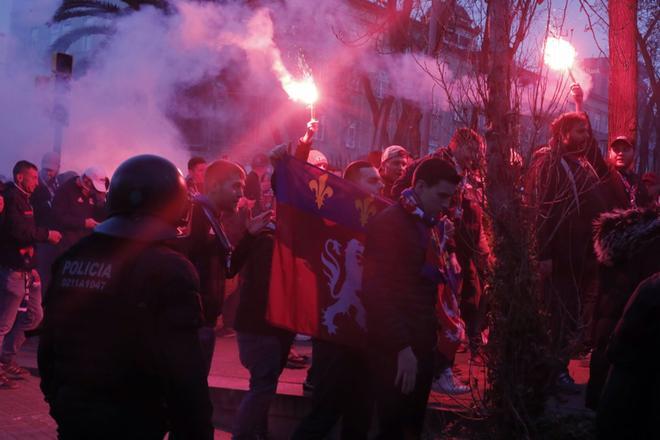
(119, 355)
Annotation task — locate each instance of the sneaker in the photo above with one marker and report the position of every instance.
(447, 384)
(566, 384)
(14, 372)
(296, 361)
(6, 383)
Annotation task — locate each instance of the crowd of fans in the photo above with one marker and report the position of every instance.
(427, 264)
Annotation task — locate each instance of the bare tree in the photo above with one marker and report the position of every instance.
(647, 37)
(648, 42)
(622, 105)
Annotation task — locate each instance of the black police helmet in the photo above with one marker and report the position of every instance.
(147, 200)
(148, 185)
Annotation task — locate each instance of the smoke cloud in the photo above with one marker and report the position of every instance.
(147, 74)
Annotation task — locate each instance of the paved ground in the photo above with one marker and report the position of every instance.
(24, 414)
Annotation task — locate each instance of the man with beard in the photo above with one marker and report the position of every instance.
(568, 188)
(210, 249)
(402, 272)
(393, 162)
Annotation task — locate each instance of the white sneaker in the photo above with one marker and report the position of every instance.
(446, 384)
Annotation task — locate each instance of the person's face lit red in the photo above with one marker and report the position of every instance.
(225, 195)
(621, 155)
(435, 198)
(28, 180)
(197, 173)
(576, 138)
(370, 181)
(393, 168)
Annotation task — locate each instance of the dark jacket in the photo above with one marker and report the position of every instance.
(70, 209)
(567, 194)
(210, 257)
(400, 282)
(630, 402)
(467, 243)
(18, 231)
(627, 244)
(634, 188)
(253, 188)
(251, 313)
(42, 201)
(119, 356)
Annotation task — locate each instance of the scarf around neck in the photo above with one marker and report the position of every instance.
(412, 205)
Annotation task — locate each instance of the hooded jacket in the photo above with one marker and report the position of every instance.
(627, 246)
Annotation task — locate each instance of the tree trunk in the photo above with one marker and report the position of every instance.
(516, 393)
(656, 150)
(622, 113)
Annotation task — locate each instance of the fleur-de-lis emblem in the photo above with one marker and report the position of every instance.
(366, 208)
(321, 190)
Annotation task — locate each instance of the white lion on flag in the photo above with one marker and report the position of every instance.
(344, 293)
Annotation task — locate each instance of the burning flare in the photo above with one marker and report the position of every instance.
(303, 90)
(559, 54)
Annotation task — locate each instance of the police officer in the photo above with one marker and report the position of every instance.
(119, 355)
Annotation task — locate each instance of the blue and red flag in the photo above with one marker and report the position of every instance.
(316, 274)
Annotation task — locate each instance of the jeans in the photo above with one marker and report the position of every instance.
(264, 357)
(14, 324)
(207, 341)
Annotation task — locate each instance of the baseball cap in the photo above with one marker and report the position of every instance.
(98, 177)
(623, 139)
(394, 151)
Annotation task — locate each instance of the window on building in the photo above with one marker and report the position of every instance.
(436, 108)
(382, 84)
(351, 135)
